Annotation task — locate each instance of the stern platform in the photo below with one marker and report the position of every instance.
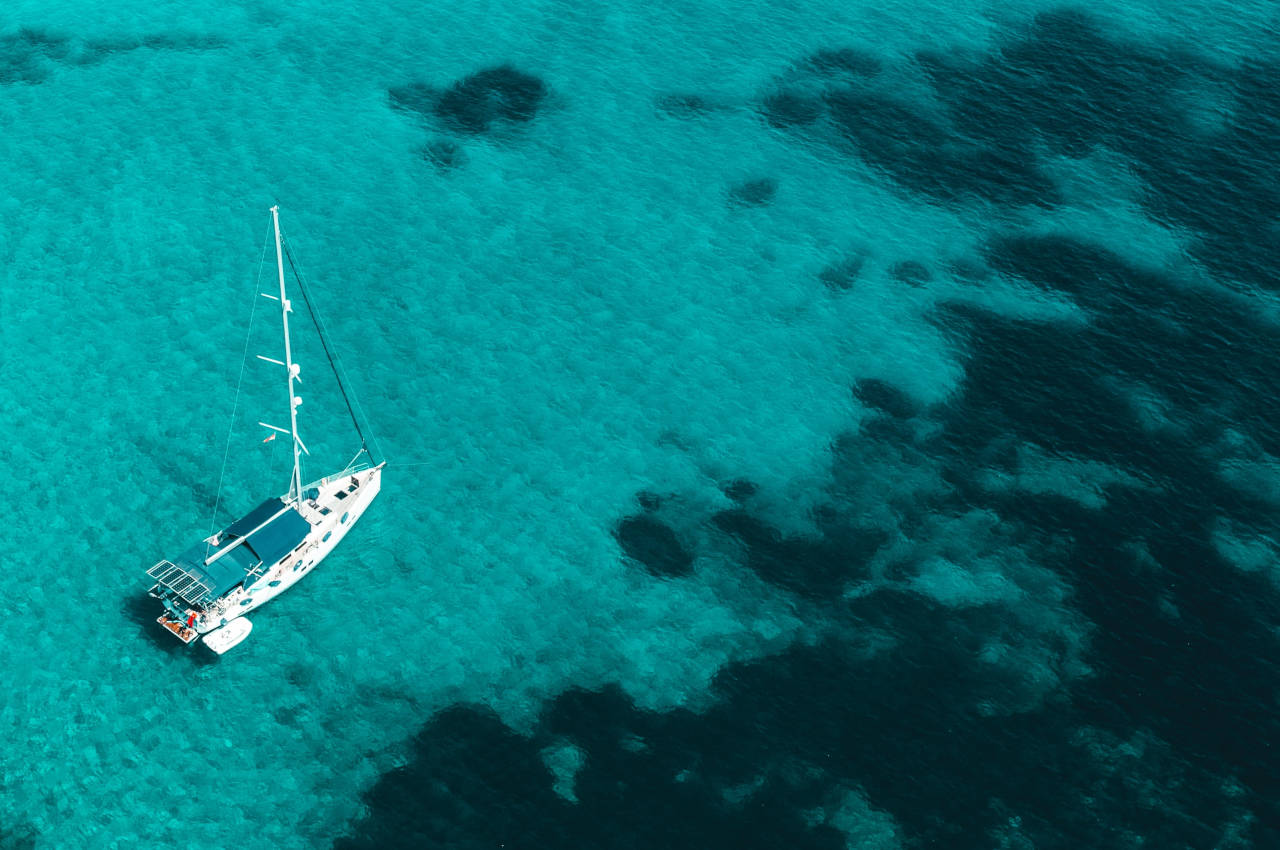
(177, 629)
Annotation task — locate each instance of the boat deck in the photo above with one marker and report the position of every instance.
(331, 496)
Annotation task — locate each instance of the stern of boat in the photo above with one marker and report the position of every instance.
(177, 628)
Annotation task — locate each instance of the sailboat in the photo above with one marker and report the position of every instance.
(209, 588)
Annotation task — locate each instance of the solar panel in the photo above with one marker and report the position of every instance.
(188, 587)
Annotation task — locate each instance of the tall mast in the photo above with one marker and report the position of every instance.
(291, 369)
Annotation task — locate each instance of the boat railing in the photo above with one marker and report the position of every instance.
(352, 468)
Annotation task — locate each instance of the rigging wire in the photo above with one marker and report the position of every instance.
(338, 371)
(235, 404)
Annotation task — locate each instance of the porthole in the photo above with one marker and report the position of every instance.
(245, 601)
(275, 583)
(344, 517)
(327, 535)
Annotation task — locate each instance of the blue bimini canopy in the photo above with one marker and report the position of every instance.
(198, 580)
(274, 540)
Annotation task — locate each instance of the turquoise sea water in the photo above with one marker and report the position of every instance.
(799, 378)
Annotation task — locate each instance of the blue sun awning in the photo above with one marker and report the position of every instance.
(285, 530)
(251, 544)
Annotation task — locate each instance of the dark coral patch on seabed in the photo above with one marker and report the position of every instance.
(785, 735)
(885, 397)
(910, 272)
(841, 275)
(20, 836)
(788, 109)
(754, 193)
(1138, 750)
(1180, 632)
(1165, 744)
(813, 568)
(473, 783)
(476, 102)
(1073, 86)
(27, 55)
(31, 55)
(740, 489)
(650, 542)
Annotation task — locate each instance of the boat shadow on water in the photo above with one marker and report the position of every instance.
(143, 610)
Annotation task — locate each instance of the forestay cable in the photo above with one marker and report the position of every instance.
(324, 341)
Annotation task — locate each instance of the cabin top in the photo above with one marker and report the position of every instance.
(206, 571)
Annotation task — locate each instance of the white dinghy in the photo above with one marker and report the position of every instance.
(220, 640)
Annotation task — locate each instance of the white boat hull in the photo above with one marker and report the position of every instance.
(331, 517)
(220, 640)
(212, 585)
